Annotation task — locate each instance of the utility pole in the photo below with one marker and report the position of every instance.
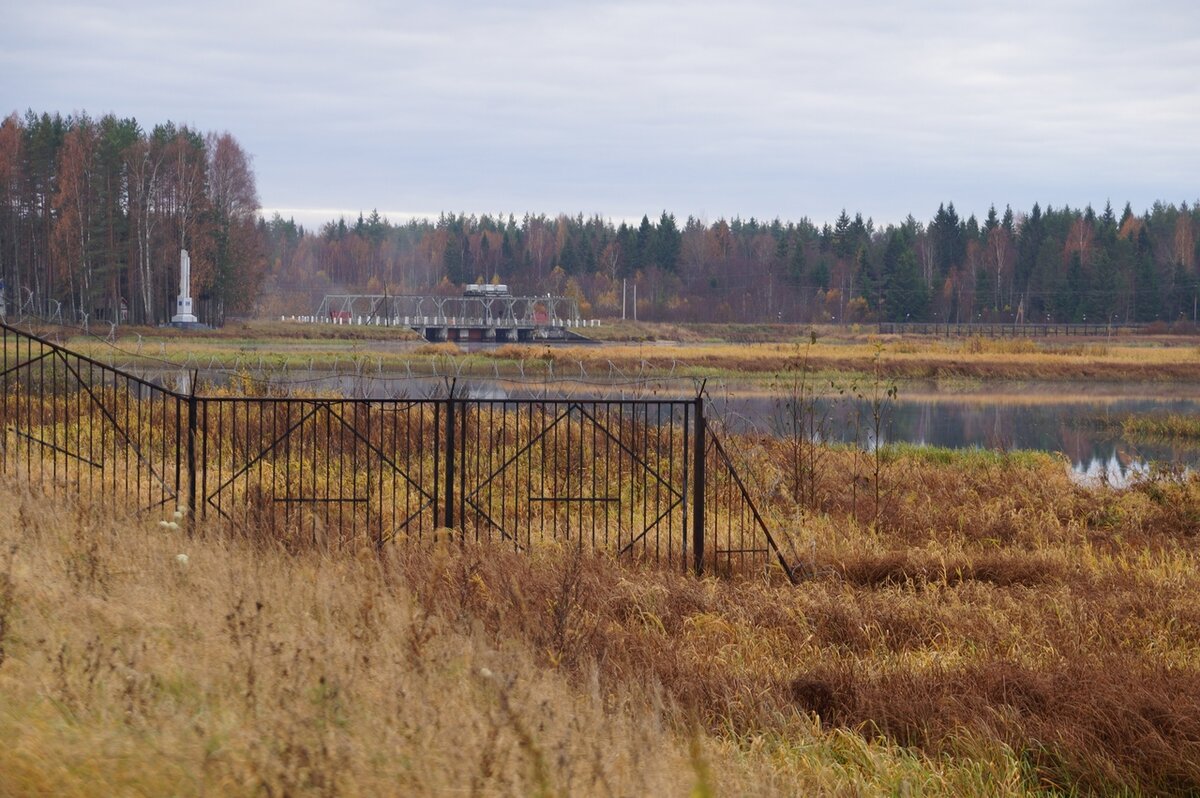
(622, 299)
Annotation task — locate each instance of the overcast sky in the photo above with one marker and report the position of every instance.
(714, 110)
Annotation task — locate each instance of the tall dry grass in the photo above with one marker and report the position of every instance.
(240, 668)
(968, 624)
(1117, 360)
(991, 597)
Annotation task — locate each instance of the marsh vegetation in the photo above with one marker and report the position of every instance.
(962, 622)
(973, 623)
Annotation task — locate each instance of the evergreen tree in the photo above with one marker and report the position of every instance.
(1076, 301)
(868, 279)
(507, 261)
(906, 297)
(1105, 287)
(1108, 220)
(992, 221)
(645, 252)
(569, 257)
(797, 264)
(485, 254)
(819, 277)
(627, 244)
(668, 242)
(1029, 242)
(455, 259)
(949, 243)
(1147, 304)
(842, 239)
(985, 288)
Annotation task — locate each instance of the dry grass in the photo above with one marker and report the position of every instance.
(1169, 427)
(927, 360)
(995, 599)
(975, 358)
(964, 624)
(427, 670)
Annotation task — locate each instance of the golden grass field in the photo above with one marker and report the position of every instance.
(964, 624)
(275, 346)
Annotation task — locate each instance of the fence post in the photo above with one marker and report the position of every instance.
(191, 451)
(698, 487)
(449, 514)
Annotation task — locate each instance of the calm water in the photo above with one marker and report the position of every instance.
(1045, 417)
(1061, 421)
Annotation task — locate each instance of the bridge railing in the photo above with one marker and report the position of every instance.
(1009, 330)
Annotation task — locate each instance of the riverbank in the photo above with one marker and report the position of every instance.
(843, 353)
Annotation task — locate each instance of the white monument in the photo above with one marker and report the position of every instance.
(183, 303)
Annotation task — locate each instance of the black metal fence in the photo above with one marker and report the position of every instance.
(646, 480)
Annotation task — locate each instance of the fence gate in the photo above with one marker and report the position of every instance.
(608, 475)
(317, 470)
(71, 421)
(645, 480)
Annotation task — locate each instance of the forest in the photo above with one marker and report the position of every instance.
(93, 213)
(1051, 264)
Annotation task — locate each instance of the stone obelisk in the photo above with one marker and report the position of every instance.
(183, 303)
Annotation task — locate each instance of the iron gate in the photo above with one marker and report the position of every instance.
(644, 479)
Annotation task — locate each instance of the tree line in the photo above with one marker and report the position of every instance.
(94, 212)
(1053, 264)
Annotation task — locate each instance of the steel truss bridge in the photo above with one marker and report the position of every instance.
(459, 318)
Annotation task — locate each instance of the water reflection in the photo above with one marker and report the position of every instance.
(1087, 433)
(1080, 421)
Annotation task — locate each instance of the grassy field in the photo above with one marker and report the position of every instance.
(640, 351)
(964, 624)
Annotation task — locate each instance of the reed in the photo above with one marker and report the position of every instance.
(141, 660)
(688, 355)
(1170, 427)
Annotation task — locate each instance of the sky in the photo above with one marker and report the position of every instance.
(714, 110)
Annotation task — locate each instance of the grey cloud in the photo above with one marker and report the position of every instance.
(764, 108)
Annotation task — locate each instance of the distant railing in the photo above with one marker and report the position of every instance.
(1008, 330)
(643, 479)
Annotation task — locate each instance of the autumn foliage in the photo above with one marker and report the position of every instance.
(94, 212)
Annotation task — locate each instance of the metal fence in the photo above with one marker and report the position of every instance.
(643, 479)
(989, 329)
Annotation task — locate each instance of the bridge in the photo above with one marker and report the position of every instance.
(491, 317)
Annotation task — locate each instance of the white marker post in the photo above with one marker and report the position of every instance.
(183, 303)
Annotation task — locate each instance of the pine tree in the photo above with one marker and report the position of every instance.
(843, 244)
(454, 258)
(992, 221)
(507, 261)
(868, 279)
(668, 242)
(949, 244)
(1147, 304)
(645, 253)
(906, 296)
(797, 264)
